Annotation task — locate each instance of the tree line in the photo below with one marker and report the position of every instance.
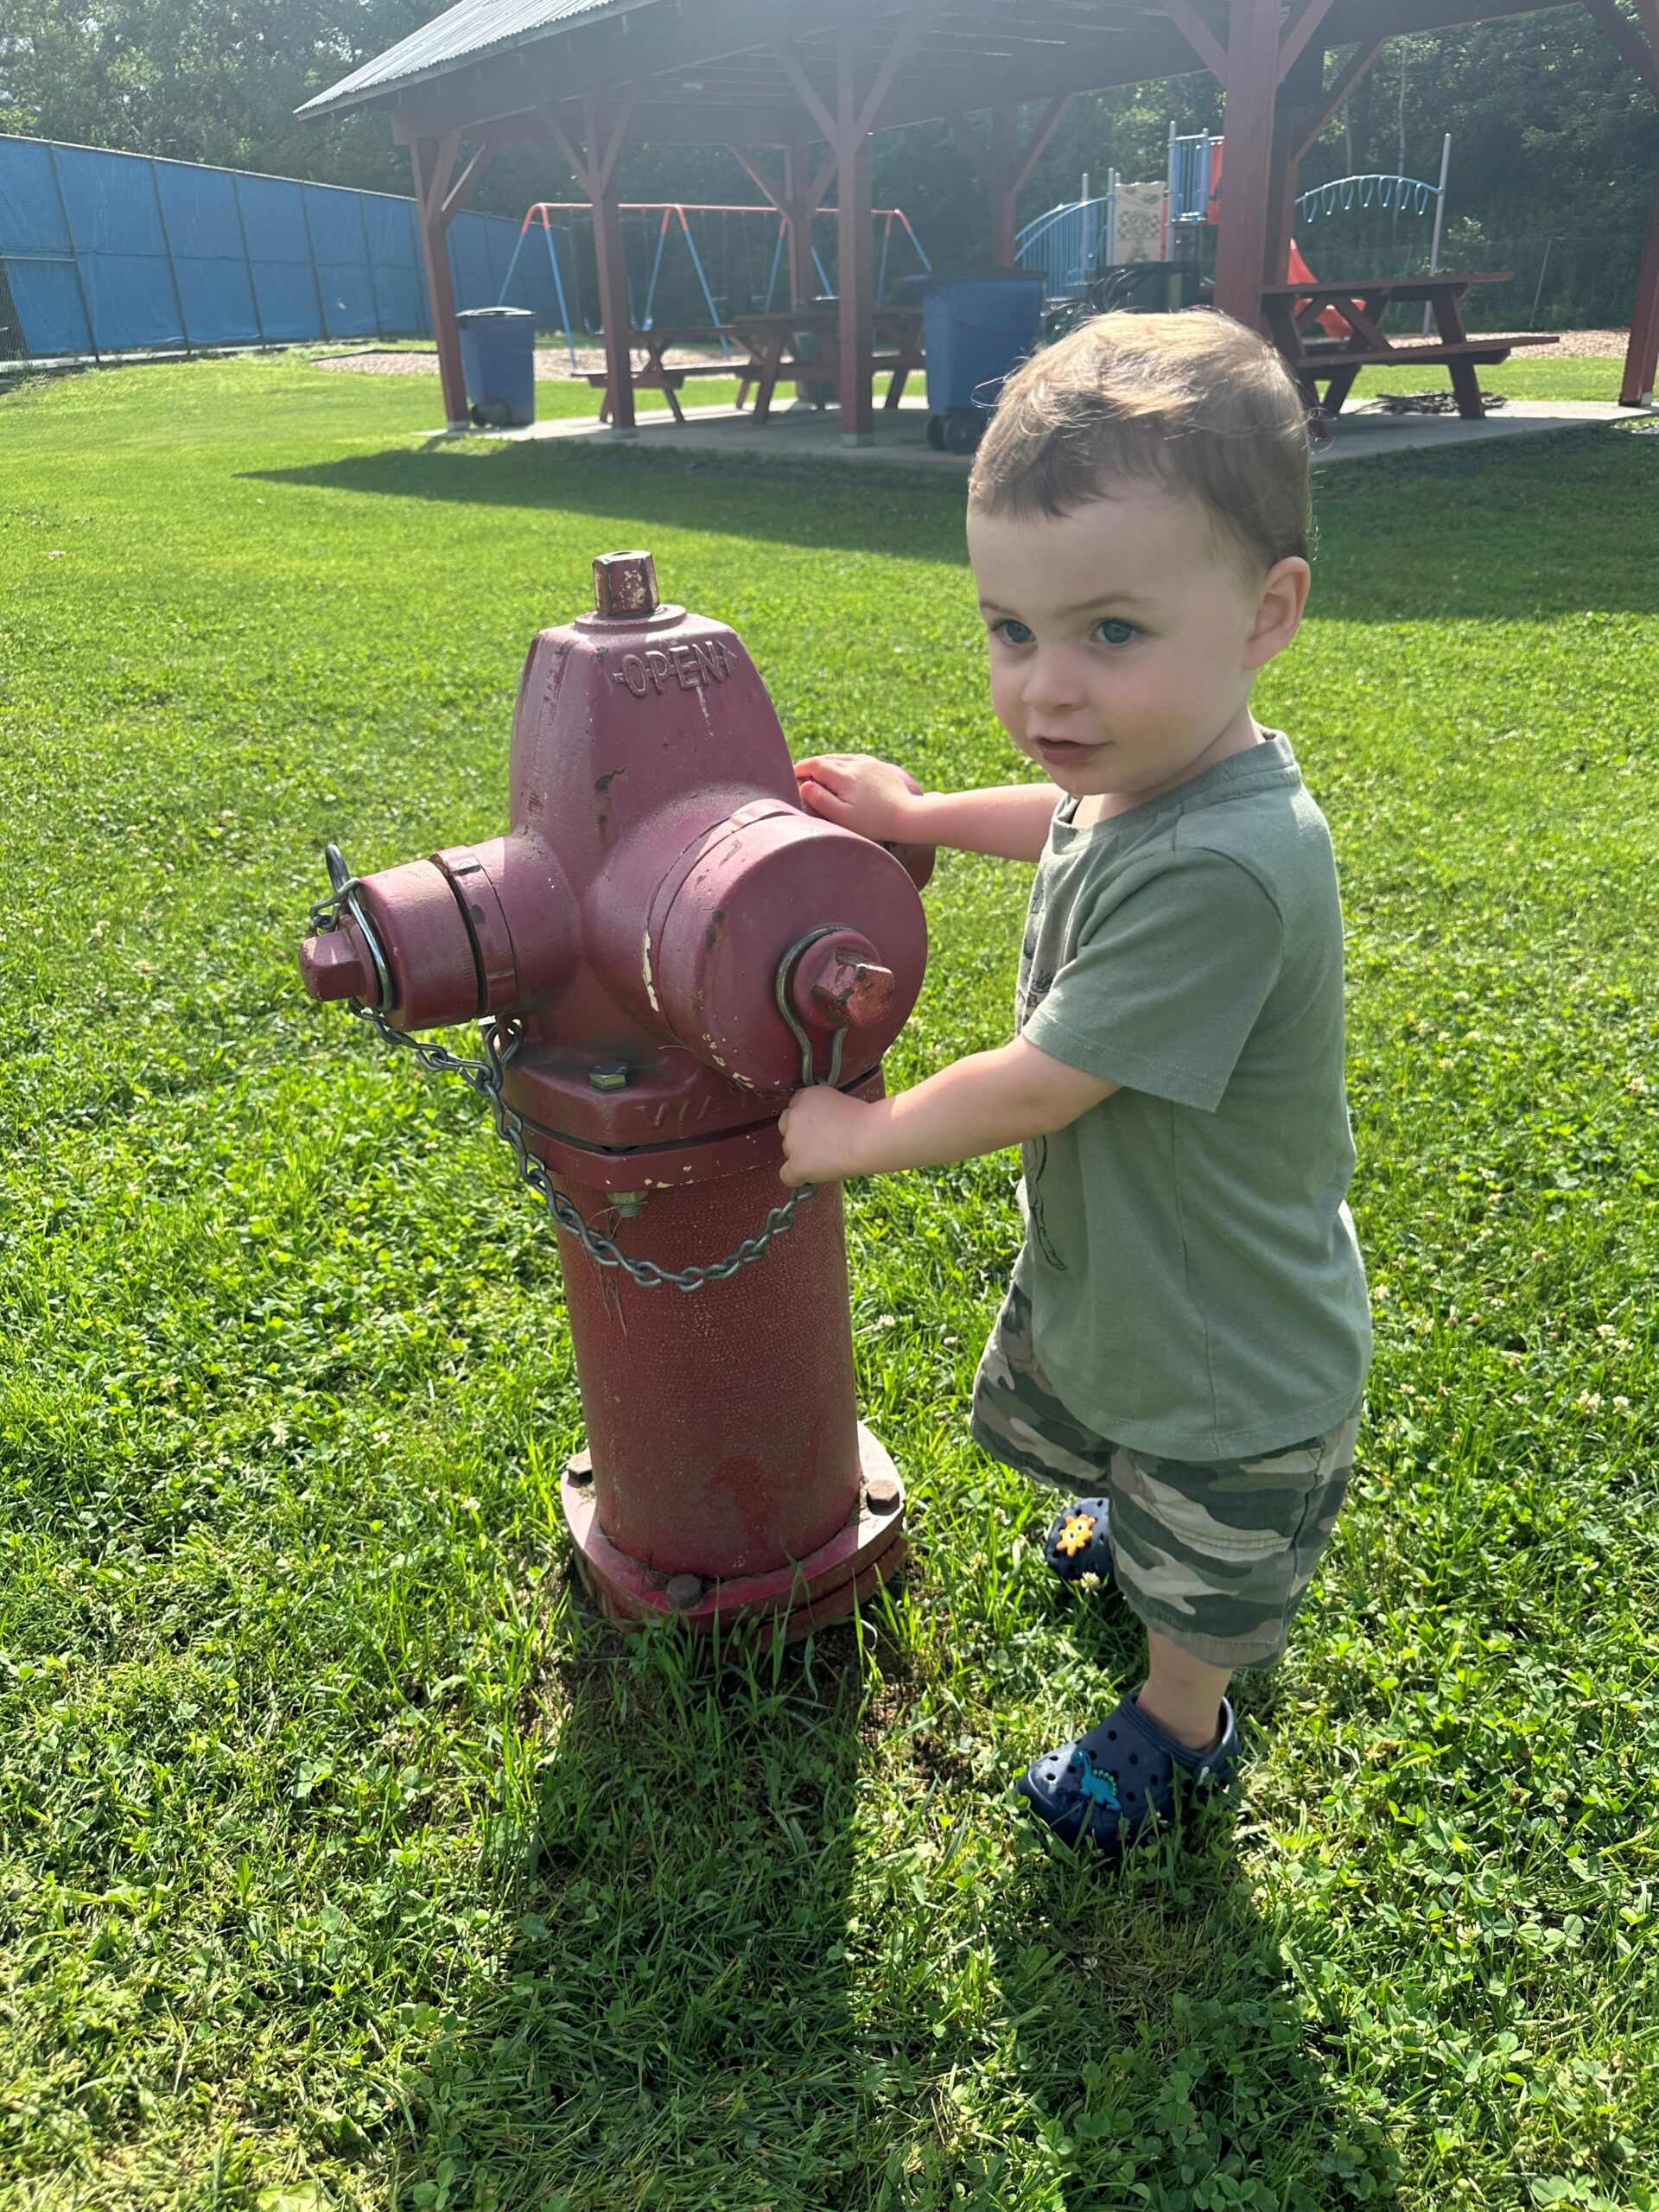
(1555, 142)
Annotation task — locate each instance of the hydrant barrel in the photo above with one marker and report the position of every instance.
(670, 945)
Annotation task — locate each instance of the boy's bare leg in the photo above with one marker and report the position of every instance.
(1183, 1693)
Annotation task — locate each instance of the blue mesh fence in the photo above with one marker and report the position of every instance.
(112, 253)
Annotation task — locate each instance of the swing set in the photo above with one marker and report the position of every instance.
(675, 215)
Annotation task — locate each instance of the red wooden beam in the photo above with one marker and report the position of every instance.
(1199, 37)
(433, 162)
(1341, 90)
(855, 247)
(1298, 34)
(1252, 83)
(1642, 357)
(1036, 144)
(1642, 57)
(592, 157)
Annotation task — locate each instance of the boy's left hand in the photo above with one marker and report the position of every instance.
(819, 1129)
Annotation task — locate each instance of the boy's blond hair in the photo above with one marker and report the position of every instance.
(1193, 402)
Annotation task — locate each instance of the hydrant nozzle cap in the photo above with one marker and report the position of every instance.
(625, 586)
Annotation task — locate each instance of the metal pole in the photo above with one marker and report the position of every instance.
(368, 263)
(1169, 193)
(167, 247)
(1543, 267)
(656, 271)
(1439, 226)
(558, 287)
(242, 232)
(697, 263)
(74, 251)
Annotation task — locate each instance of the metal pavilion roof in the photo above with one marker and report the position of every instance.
(468, 32)
(485, 59)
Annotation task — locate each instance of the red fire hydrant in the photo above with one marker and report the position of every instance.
(665, 947)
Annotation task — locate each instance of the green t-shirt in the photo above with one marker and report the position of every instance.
(1197, 1287)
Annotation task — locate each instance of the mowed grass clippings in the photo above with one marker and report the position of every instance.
(348, 1861)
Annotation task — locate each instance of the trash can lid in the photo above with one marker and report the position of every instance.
(484, 315)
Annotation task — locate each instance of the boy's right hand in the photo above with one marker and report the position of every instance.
(856, 792)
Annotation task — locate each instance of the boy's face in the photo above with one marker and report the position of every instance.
(1123, 639)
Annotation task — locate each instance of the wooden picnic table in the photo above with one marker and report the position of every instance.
(1294, 313)
(768, 351)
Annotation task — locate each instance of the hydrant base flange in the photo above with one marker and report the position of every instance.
(863, 1552)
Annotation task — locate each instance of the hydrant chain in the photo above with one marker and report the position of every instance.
(487, 1076)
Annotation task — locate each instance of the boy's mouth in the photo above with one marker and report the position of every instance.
(1061, 752)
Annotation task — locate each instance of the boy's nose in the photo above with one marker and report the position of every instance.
(1052, 681)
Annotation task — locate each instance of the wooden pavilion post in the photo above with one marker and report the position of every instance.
(798, 201)
(1641, 357)
(854, 250)
(438, 202)
(799, 209)
(848, 126)
(593, 160)
(1640, 48)
(1005, 165)
(1242, 232)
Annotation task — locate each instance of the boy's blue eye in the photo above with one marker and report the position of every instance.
(1114, 631)
(1012, 632)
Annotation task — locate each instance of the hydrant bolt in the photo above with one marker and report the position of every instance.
(625, 586)
(611, 1075)
(336, 965)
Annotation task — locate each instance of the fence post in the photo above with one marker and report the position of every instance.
(167, 248)
(368, 263)
(311, 251)
(247, 258)
(74, 252)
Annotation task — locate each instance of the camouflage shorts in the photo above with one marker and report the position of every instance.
(1215, 1558)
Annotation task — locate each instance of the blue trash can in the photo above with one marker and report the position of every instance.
(974, 329)
(498, 357)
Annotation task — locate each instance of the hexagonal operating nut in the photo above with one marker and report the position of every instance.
(841, 983)
(625, 586)
(336, 965)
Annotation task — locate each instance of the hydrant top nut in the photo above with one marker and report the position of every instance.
(625, 586)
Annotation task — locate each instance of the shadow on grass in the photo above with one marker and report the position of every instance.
(815, 504)
(778, 1944)
(1491, 532)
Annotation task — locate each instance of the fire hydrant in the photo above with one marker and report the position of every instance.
(664, 948)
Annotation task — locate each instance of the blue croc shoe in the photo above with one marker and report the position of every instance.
(1076, 1543)
(1122, 1776)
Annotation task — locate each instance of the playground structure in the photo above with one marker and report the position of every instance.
(676, 215)
(1068, 246)
(798, 89)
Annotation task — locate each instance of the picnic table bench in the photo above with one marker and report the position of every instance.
(1294, 311)
(798, 346)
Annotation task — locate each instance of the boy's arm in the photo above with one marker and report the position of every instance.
(858, 792)
(976, 1105)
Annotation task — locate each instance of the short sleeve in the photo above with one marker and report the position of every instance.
(1166, 984)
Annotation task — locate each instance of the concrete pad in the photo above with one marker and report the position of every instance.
(805, 432)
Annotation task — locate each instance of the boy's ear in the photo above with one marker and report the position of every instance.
(1279, 610)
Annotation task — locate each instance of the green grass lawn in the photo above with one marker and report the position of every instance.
(1527, 375)
(347, 1862)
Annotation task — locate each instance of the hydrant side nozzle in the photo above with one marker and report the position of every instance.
(625, 586)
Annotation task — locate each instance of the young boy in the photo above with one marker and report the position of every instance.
(1187, 1331)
